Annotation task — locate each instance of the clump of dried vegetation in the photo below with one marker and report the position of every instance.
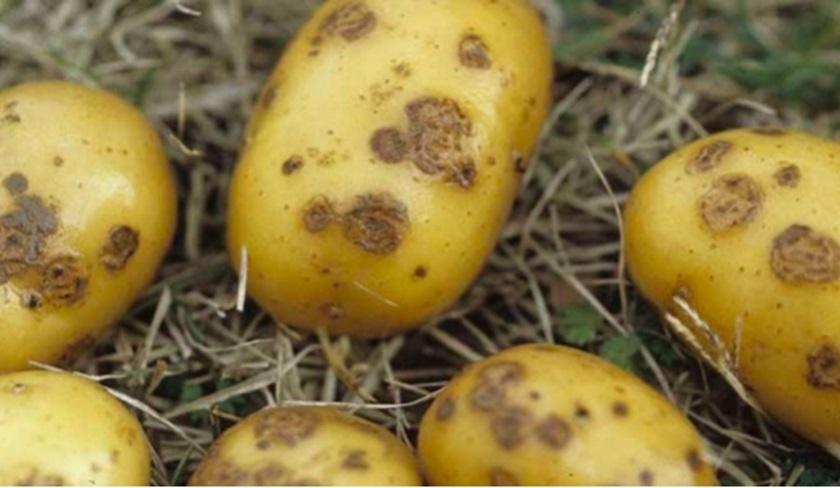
(635, 79)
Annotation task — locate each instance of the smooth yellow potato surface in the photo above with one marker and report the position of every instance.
(742, 227)
(87, 211)
(551, 415)
(60, 429)
(384, 156)
(307, 446)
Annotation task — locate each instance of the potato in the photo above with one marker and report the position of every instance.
(551, 415)
(735, 238)
(306, 446)
(87, 211)
(383, 158)
(60, 429)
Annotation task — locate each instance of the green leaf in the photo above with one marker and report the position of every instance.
(579, 324)
(622, 351)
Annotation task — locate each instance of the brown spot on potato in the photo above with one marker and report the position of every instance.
(824, 367)
(377, 223)
(694, 460)
(403, 70)
(502, 477)
(802, 255)
(292, 165)
(285, 426)
(355, 460)
(472, 52)
(620, 409)
(58, 161)
(581, 412)
(646, 477)
(220, 472)
(333, 311)
(732, 201)
(554, 432)
(64, 280)
(464, 175)
(788, 176)
(709, 156)
(318, 215)
(23, 235)
(493, 381)
(269, 96)
(351, 22)
(768, 131)
(120, 246)
(509, 425)
(16, 184)
(269, 475)
(520, 163)
(389, 145)
(438, 134)
(445, 410)
(421, 272)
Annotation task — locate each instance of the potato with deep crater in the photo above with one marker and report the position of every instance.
(306, 446)
(735, 238)
(60, 429)
(390, 137)
(552, 415)
(87, 211)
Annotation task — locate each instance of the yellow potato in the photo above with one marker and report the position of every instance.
(60, 429)
(551, 415)
(383, 159)
(307, 446)
(736, 237)
(87, 211)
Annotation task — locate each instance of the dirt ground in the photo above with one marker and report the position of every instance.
(191, 365)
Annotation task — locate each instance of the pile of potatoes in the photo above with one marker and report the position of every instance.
(386, 125)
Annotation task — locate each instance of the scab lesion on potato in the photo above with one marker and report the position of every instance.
(620, 409)
(493, 382)
(802, 255)
(733, 200)
(356, 459)
(554, 431)
(318, 215)
(502, 477)
(509, 425)
(788, 176)
(292, 165)
(377, 223)
(709, 156)
(350, 22)
(824, 367)
(473, 52)
(16, 184)
(389, 145)
(284, 426)
(646, 477)
(64, 280)
(119, 247)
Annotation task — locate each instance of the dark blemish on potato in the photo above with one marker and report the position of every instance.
(509, 425)
(219, 472)
(438, 133)
(31, 300)
(801, 255)
(270, 475)
(269, 96)
(554, 432)
(285, 426)
(824, 367)
(421, 272)
(493, 381)
(351, 21)
(695, 462)
(620, 409)
(377, 223)
(355, 460)
(709, 156)
(333, 311)
(389, 145)
(464, 175)
(646, 477)
(318, 215)
(788, 176)
(502, 477)
(292, 165)
(23, 235)
(472, 52)
(403, 70)
(732, 201)
(58, 161)
(768, 131)
(534, 395)
(519, 162)
(16, 184)
(120, 246)
(581, 412)
(445, 410)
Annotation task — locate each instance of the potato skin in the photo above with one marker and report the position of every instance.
(743, 227)
(306, 446)
(552, 415)
(383, 158)
(60, 429)
(87, 211)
